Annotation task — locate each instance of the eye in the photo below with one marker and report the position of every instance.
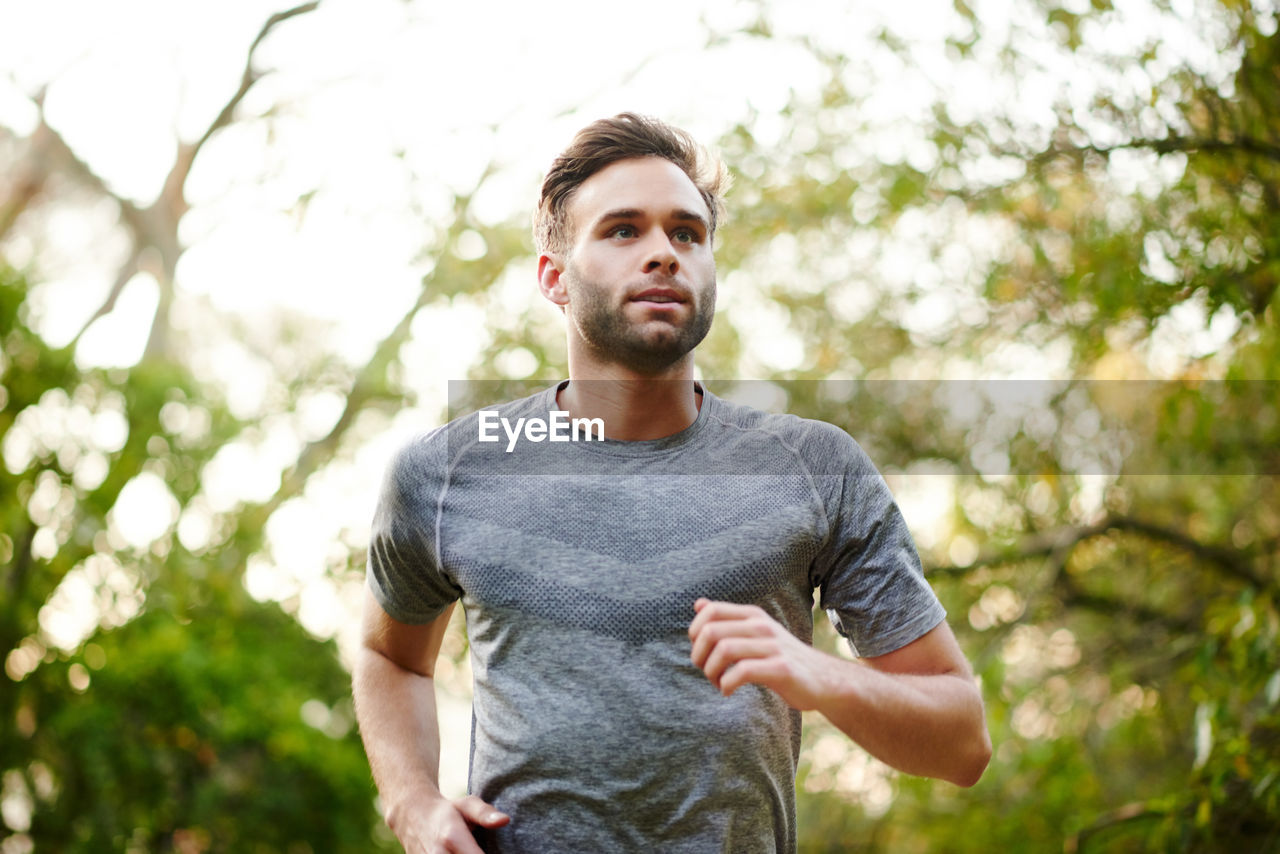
(685, 235)
(624, 232)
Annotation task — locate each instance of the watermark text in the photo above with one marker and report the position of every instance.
(558, 428)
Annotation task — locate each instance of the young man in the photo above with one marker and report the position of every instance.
(639, 606)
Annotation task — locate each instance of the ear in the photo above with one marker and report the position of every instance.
(550, 268)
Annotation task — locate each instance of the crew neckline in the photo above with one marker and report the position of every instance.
(640, 447)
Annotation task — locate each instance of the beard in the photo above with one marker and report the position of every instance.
(650, 347)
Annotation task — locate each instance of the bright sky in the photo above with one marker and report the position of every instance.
(381, 107)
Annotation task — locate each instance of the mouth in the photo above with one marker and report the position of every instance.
(659, 296)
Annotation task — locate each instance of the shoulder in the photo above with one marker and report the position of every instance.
(441, 447)
(431, 459)
(824, 447)
(414, 468)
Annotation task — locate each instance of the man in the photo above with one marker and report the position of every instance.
(639, 606)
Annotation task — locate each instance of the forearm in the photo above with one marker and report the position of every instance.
(916, 708)
(396, 711)
(928, 725)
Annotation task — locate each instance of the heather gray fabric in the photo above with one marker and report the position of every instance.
(578, 565)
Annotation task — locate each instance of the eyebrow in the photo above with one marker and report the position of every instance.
(680, 215)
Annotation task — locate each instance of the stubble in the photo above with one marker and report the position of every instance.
(647, 347)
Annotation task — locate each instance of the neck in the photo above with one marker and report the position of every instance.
(633, 406)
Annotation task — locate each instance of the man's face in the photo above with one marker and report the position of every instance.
(639, 276)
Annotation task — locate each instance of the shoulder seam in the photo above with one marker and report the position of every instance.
(451, 462)
(808, 473)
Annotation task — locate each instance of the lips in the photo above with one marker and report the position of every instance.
(659, 295)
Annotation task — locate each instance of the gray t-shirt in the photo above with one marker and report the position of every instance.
(578, 564)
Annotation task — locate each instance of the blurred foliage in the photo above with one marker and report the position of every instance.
(1108, 554)
(210, 721)
(1124, 625)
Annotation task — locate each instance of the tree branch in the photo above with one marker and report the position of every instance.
(177, 177)
(55, 147)
(1168, 145)
(1227, 560)
(1040, 544)
(1124, 815)
(169, 207)
(27, 186)
(1055, 562)
(1075, 596)
(366, 386)
(126, 272)
(20, 564)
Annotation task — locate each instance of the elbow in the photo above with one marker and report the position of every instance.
(975, 763)
(974, 752)
(976, 756)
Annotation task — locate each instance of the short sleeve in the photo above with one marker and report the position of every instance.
(868, 570)
(404, 572)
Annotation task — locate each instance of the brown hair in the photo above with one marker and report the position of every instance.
(607, 141)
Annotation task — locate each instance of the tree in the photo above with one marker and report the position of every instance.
(1109, 549)
(186, 716)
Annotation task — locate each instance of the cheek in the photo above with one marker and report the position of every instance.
(706, 269)
(589, 266)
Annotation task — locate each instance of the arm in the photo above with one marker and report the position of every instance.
(395, 701)
(916, 709)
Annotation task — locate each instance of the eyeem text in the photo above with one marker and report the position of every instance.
(559, 428)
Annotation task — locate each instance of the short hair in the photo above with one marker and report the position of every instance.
(607, 141)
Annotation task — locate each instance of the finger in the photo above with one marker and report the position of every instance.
(730, 651)
(715, 633)
(463, 843)
(710, 611)
(476, 811)
(701, 617)
(759, 671)
(734, 610)
(712, 633)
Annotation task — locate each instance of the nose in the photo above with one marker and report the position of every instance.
(659, 256)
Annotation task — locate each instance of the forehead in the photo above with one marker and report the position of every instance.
(650, 184)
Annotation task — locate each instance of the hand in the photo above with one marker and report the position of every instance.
(736, 644)
(437, 826)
